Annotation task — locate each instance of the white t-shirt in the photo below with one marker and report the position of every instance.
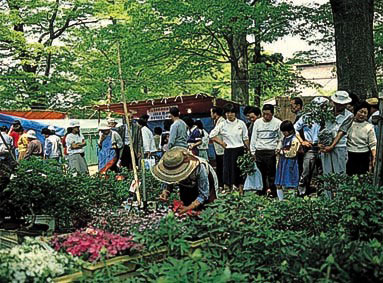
(148, 140)
(72, 138)
(266, 135)
(233, 133)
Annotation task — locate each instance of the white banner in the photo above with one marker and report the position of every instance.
(159, 113)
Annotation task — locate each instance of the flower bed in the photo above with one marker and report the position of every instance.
(34, 262)
(93, 244)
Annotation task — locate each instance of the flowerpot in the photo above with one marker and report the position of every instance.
(48, 220)
(68, 278)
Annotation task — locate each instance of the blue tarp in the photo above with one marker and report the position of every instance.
(7, 120)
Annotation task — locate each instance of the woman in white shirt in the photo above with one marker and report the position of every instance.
(234, 139)
(361, 142)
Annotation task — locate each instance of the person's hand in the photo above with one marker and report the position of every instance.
(183, 209)
(327, 149)
(224, 145)
(307, 144)
(277, 151)
(164, 196)
(254, 158)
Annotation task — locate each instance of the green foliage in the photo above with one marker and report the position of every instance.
(42, 186)
(246, 164)
(300, 239)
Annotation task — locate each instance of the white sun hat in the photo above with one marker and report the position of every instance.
(341, 97)
(103, 126)
(74, 123)
(31, 134)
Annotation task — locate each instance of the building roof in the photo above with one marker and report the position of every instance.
(35, 114)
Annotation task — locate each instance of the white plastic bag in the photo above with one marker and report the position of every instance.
(254, 182)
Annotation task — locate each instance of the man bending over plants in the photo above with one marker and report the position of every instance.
(195, 178)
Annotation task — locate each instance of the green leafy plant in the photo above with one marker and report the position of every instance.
(246, 164)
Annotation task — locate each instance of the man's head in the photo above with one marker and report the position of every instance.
(4, 129)
(31, 135)
(145, 117)
(374, 104)
(112, 122)
(354, 101)
(175, 166)
(46, 132)
(174, 113)
(75, 125)
(188, 121)
(230, 111)
(216, 112)
(252, 113)
(296, 105)
(104, 128)
(340, 100)
(267, 112)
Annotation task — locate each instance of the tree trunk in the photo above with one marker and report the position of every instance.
(257, 59)
(353, 21)
(239, 69)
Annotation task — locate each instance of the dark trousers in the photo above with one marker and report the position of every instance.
(219, 169)
(310, 160)
(267, 162)
(126, 158)
(358, 163)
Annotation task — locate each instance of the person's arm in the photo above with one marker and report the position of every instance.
(214, 135)
(47, 148)
(254, 138)
(372, 145)
(118, 143)
(172, 135)
(245, 136)
(203, 190)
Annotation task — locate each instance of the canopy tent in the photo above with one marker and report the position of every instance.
(195, 105)
(7, 120)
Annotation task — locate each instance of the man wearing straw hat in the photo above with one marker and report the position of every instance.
(76, 153)
(194, 177)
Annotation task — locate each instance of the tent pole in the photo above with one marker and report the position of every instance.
(132, 154)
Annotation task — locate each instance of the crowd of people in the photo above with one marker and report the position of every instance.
(286, 154)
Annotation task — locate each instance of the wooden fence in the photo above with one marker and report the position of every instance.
(282, 108)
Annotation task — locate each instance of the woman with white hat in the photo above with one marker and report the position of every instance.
(195, 178)
(34, 148)
(110, 144)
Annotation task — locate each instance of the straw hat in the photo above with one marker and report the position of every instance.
(103, 126)
(341, 97)
(372, 101)
(31, 134)
(176, 165)
(112, 120)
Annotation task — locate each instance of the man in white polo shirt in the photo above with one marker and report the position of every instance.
(265, 142)
(75, 144)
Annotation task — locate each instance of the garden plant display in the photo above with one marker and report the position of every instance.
(92, 244)
(34, 262)
(297, 240)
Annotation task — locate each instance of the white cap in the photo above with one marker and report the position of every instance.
(341, 97)
(31, 134)
(320, 100)
(74, 123)
(52, 128)
(103, 126)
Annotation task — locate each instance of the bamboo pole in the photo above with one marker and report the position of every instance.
(122, 86)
